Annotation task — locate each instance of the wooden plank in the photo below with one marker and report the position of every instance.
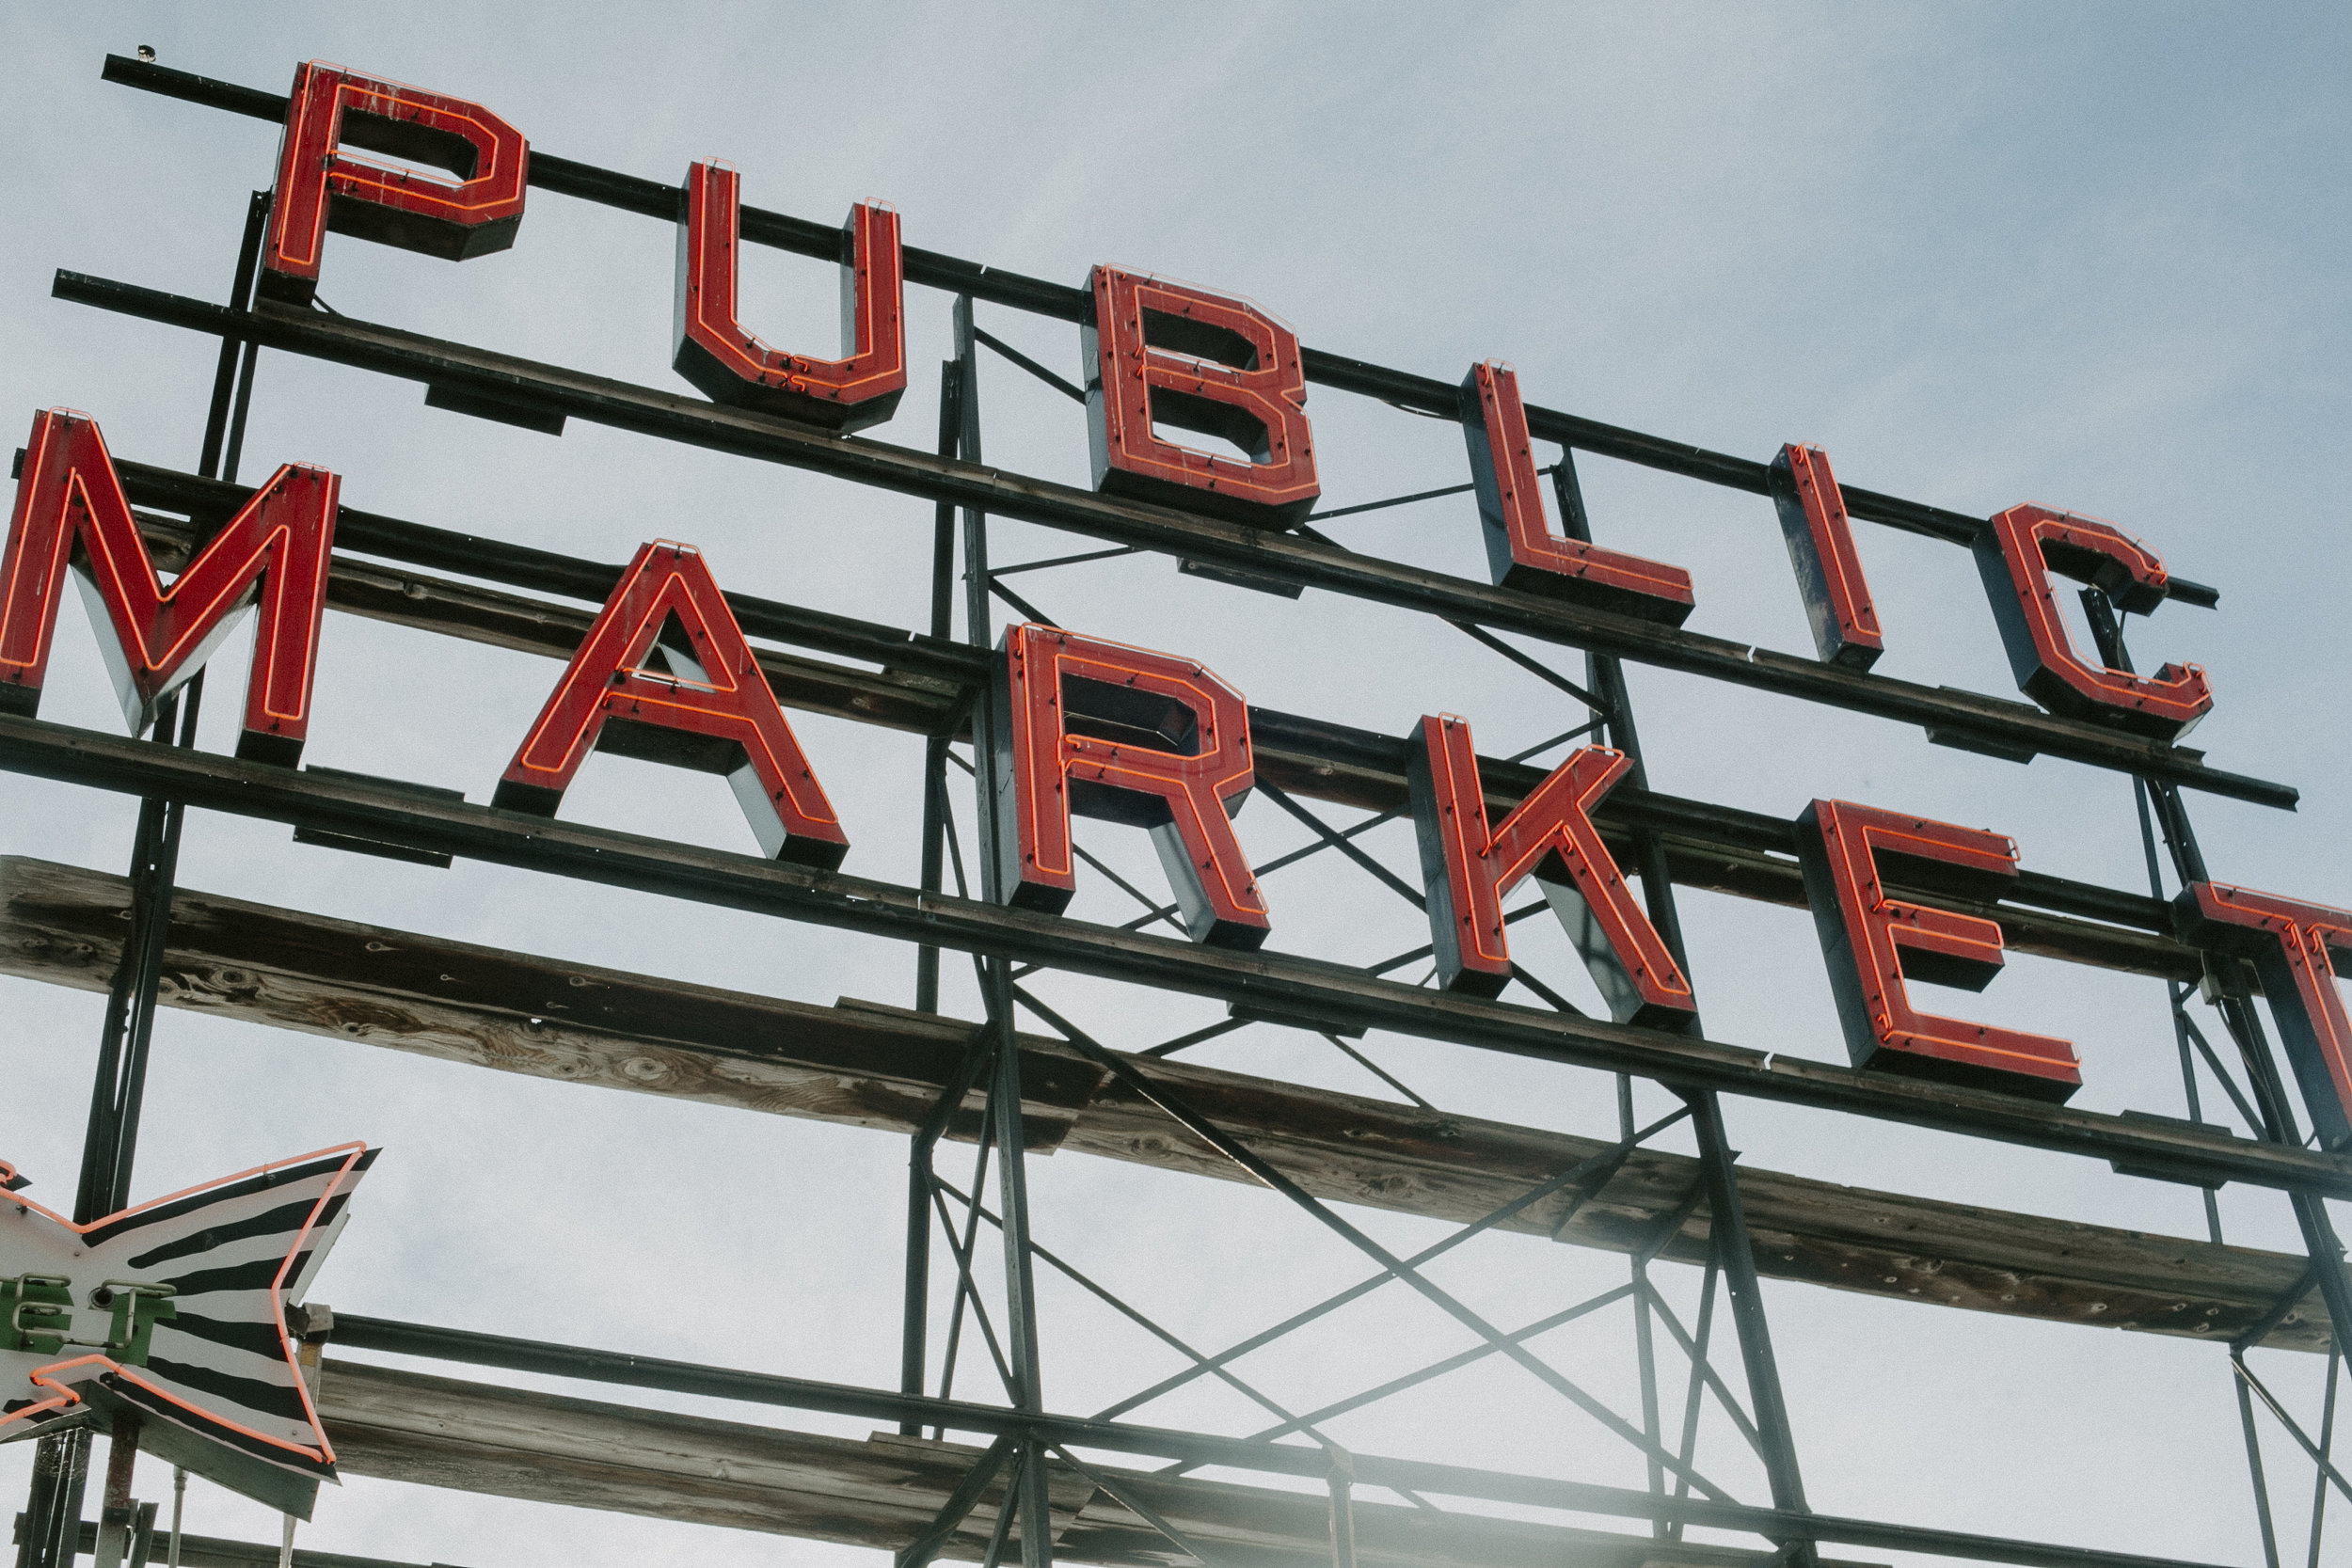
(414, 1427)
(869, 1066)
(1272, 983)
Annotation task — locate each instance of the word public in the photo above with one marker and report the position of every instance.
(1098, 729)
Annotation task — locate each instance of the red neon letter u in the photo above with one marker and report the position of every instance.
(732, 366)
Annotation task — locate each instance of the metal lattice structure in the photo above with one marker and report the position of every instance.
(1030, 1078)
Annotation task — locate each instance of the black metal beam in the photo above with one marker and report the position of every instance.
(1267, 981)
(2008, 727)
(386, 1337)
(1315, 758)
(935, 269)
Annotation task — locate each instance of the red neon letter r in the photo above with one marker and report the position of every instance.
(1126, 736)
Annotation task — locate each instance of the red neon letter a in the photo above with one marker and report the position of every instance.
(319, 189)
(731, 366)
(1162, 352)
(665, 676)
(1550, 836)
(2289, 943)
(1873, 942)
(2015, 555)
(1127, 735)
(1521, 550)
(70, 506)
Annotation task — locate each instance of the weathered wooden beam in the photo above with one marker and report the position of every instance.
(1268, 983)
(405, 1426)
(869, 1066)
(1717, 848)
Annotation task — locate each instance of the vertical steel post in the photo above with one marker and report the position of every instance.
(1037, 1548)
(117, 1091)
(913, 1349)
(1341, 1479)
(1605, 677)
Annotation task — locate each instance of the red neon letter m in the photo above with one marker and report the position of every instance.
(1127, 735)
(70, 506)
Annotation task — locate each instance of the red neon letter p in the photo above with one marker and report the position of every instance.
(70, 506)
(319, 188)
(1126, 736)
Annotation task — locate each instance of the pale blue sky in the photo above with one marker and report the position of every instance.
(2090, 256)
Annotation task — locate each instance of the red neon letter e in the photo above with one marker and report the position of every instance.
(1874, 942)
(1126, 736)
(1162, 352)
(2015, 555)
(70, 505)
(1521, 550)
(2289, 943)
(1550, 836)
(665, 676)
(731, 366)
(319, 189)
(1820, 546)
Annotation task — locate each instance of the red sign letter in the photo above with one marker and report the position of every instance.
(2289, 943)
(1873, 942)
(319, 189)
(665, 676)
(1550, 836)
(731, 366)
(2016, 553)
(1162, 352)
(1521, 550)
(1126, 735)
(70, 504)
(1820, 546)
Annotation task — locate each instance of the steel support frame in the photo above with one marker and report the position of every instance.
(50, 1532)
(115, 1111)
